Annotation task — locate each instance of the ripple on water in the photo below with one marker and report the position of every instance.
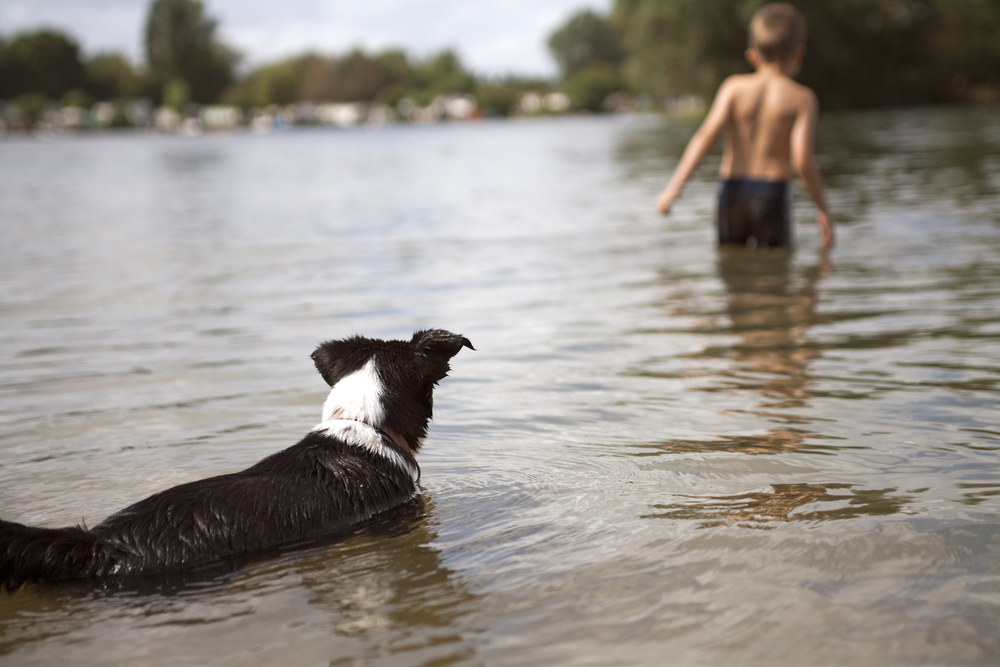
(730, 457)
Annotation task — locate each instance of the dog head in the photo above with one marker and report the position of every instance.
(388, 384)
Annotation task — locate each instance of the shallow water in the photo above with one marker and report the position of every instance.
(661, 452)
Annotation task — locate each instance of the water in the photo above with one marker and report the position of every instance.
(660, 452)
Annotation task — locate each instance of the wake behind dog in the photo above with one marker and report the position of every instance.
(359, 461)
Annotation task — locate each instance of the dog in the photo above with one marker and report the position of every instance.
(359, 461)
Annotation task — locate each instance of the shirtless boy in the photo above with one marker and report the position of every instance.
(770, 121)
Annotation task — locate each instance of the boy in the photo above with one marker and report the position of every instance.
(770, 122)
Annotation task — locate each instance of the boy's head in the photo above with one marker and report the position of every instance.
(777, 32)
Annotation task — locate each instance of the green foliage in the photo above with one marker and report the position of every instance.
(443, 74)
(967, 47)
(498, 97)
(31, 106)
(111, 76)
(683, 46)
(400, 76)
(590, 53)
(874, 53)
(385, 77)
(181, 45)
(176, 94)
(279, 83)
(44, 62)
(590, 86)
(120, 118)
(187, 64)
(355, 77)
(77, 98)
(860, 52)
(275, 83)
(501, 96)
(360, 78)
(585, 39)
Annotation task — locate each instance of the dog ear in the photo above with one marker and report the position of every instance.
(336, 358)
(325, 359)
(439, 344)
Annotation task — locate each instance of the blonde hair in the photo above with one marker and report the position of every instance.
(776, 30)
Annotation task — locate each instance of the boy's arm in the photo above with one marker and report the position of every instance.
(698, 146)
(804, 161)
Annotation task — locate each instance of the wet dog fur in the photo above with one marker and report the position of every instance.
(359, 461)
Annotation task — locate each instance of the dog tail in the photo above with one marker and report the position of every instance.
(28, 553)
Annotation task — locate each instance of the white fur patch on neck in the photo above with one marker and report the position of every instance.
(366, 437)
(357, 396)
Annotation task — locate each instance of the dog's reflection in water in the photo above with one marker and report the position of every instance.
(381, 589)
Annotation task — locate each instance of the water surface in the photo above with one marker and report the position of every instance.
(659, 451)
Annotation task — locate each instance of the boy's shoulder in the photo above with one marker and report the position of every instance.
(739, 85)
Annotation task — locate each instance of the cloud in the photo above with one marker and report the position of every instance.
(99, 25)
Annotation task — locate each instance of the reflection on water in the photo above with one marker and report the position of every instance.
(915, 153)
(767, 317)
(384, 591)
(784, 502)
(764, 326)
(774, 441)
(375, 588)
(771, 315)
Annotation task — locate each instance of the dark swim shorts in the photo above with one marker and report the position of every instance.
(755, 213)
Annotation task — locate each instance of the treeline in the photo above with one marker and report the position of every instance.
(185, 62)
(186, 65)
(385, 78)
(43, 68)
(861, 53)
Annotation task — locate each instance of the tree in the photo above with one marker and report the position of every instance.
(277, 83)
(500, 96)
(384, 77)
(399, 76)
(874, 53)
(110, 76)
(968, 46)
(43, 62)
(319, 79)
(590, 86)
(359, 78)
(860, 52)
(584, 40)
(443, 74)
(181, 45)
(683, 46)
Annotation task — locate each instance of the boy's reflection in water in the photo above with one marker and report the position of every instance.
(770, 310)
(771, 313)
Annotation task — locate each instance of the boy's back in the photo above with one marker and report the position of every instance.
(763, 111)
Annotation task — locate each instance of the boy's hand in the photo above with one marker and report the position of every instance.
(664, 201)
(825, 228)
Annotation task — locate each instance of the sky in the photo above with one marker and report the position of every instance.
(492, 37)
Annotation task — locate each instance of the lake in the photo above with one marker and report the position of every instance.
(660, 453)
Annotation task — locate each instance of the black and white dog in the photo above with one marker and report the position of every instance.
(357, 462)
